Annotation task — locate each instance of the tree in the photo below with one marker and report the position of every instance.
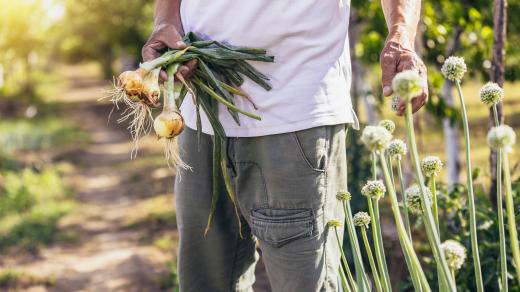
(101, 30)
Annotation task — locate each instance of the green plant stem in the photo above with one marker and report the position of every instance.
(435, 209)
(508, 195)
(377, 234)
(222, 100)
(373, 266)
(373, 207)
(406, 214)
(165, 59)
(500, 212)
(471, 196)
(344, 283)
(433, 189)
(344, 260)
(361, 280)
(431, 231)
(415, 269)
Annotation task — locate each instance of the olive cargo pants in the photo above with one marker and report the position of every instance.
(286, 186)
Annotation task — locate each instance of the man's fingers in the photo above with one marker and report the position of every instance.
(187, 69)
(389, 69)
(149, 53)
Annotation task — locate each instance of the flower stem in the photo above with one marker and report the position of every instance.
(508, 194)
(406, 216)
(376, 232)
(431, 231)
(373, 207)
(344, 283)
(344, 260)
(435, 209)
(373, 266)
(471, 196)
(500, 212)
(415, 268)
(362, 282)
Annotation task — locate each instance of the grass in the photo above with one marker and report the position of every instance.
(31, 205)
(36, 134)
(12, 280)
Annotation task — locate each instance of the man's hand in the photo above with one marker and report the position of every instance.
(397, 56)
(163, 37)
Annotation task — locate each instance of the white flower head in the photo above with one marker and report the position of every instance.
(501, 137)
(407, 84)
(376, 138)
(361, 219)
(431, 166)
(491, 93)
(343, 196)
(396, 149)
(388, 125)
(414, 198)
(374, 189)
(454, 68)
(455, 253)
(395, 103)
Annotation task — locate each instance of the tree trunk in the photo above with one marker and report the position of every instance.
(497, 75)
(451, 138)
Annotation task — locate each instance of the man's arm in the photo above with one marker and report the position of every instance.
(167, 33)
(402, 18)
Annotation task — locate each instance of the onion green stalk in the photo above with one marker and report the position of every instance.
(500, 212)
(431, 231)
(415, 268)
(405, 209)
(361, 280)
(508, 195)
(373, 267)
(471, 196)
(373, 207)
(345, 267)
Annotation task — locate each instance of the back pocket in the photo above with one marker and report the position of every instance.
(279, 227)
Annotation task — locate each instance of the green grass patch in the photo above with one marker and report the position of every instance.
(37, 134)
(12, 280)
(31, 204)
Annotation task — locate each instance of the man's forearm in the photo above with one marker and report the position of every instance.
(402, 17)
(167, 12)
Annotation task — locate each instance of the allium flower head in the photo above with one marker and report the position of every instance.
(491, 93)
(431, 166)
(396, 149)
(395, 103)
(455, 253)
(361, 219)
(501, 137)
(454, 68)
(343, 196)
(374, 189)
(414, 199)
(334, 223)
(407, 84)
(388, 125)
(376, 138)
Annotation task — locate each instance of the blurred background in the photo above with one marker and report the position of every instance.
(77, 214)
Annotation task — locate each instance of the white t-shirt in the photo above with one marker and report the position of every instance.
(311, 73)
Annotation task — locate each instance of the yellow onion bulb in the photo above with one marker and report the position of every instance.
(132, 82)
(151, 90)
(168, 124)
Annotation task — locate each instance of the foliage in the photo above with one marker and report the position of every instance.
(27, 134)
(31, 204)
(455, 225)
(103, 29)
(170, 281)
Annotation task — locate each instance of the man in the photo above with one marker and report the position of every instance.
(288, 167)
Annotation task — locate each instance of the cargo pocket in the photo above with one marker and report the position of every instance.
(279, 227)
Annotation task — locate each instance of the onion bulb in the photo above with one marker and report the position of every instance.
(168, 124)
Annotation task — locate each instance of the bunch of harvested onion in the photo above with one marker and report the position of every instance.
(217, 79)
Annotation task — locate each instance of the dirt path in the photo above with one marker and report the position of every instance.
(123, 229)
